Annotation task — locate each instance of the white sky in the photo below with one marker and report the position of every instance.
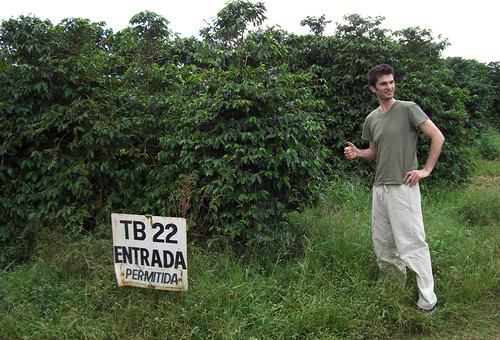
(470, 26)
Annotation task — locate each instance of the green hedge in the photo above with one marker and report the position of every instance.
(233, 131)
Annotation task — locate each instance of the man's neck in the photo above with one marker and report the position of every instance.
(385, 105)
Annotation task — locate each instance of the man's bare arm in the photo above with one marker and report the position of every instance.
(351, 152)
(437, 141)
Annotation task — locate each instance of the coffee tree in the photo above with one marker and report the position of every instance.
(232, 131)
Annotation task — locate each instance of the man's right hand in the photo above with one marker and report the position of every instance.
(351, 151)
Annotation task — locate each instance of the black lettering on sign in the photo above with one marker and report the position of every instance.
(161, 229)
(139, 231)
(151, 276)
(155, 258)
(126, 223)
(172, 233)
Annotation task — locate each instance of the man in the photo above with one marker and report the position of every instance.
(397, 225)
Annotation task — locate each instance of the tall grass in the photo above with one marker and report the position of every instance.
(323, 286)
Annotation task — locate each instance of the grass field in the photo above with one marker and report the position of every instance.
(324, 285)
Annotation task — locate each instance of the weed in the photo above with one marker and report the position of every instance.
(322, 284)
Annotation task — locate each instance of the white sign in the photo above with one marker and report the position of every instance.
(150, 251)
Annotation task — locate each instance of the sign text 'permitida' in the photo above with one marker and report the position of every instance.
(150, 251)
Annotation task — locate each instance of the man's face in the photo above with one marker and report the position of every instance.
(384, 89)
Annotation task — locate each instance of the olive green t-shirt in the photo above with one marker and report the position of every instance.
(395, 133)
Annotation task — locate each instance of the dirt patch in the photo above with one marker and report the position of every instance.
(486, 181)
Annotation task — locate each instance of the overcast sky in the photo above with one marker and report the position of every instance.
(470, 26)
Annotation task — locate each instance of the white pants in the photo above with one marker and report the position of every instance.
(399, 237)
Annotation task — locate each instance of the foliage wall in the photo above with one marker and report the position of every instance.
(233, 130)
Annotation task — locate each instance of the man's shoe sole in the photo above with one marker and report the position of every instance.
(430, 310)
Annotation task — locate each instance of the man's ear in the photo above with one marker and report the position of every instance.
(373, 89)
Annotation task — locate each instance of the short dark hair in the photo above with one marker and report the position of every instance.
(378, 71)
